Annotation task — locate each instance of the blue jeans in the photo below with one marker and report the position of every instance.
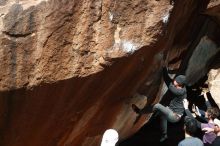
(166, 114)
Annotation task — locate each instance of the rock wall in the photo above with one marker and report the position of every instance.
(214, 85)
(70, 68)
(47, 41)
(205, 57)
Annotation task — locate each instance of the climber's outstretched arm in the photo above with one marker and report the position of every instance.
(166, 77)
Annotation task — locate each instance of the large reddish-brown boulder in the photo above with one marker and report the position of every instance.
(47, 41)
(214, 85)
(69, 69)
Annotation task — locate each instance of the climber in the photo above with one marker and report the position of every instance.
(190, 127)
(216, 142)
(211, 114)
(175, 110)
(110, 138)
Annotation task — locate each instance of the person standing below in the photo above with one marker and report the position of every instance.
(216, 142)
(175, 110)
(190, 127)
(110, 138)
(211, 114)
(200, 113)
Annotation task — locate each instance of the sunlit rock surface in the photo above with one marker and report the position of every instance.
(70, 69)
(214, 85)
(47, 41)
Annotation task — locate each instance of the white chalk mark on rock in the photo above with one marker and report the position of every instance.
(128, 47)
(110, 16)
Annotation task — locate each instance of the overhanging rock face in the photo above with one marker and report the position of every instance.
(69, 69)
(47, 41)
(214, 85)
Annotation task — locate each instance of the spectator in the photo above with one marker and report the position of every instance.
(200, 113)
(211, 114)
(110, 138)
(216, 142)
(190, 127)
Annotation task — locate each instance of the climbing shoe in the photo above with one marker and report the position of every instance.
(135, 109)
(163, 138)
(148, 109)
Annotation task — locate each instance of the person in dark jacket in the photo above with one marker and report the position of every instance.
(201, 114)
(211, 114)
(190, 128)
(175, 110)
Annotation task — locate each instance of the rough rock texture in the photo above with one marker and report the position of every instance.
(214, 85)
(201, 59)
(214, 73)
(70, 68)
(56, 40)
(213, 3)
